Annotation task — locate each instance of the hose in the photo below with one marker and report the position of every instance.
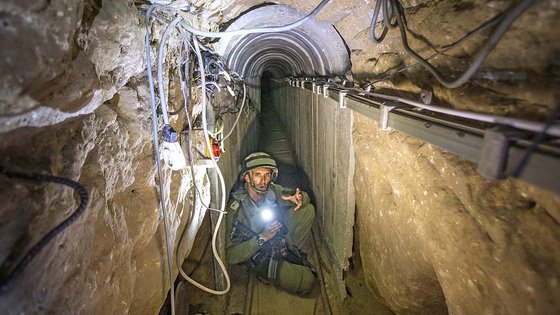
(36, 249)
(158, 163)
(222, 184)
(267, 29)
(481, 55)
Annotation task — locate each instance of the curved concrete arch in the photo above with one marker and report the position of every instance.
(314, 48)
(260, 64)
(274, 44)
(301, 63)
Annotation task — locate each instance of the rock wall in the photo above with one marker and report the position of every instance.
(437, 237)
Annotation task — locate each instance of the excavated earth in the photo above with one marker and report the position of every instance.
(434, 237)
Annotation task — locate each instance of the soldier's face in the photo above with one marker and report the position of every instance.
(259, 178)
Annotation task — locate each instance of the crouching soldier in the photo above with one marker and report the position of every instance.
(266, 224)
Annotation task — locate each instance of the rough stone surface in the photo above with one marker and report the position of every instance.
(435, 235)
(64, 58)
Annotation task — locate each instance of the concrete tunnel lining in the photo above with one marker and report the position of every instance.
(308, 57)
(316, 46)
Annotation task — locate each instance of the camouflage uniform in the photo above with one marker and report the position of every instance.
(293, 277)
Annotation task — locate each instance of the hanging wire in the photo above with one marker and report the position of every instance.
(394, 8)
(158, 162)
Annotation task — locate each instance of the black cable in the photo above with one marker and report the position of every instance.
(36, 249)
(536, 141)
(482, 54)
(483, 27)
(184, 64)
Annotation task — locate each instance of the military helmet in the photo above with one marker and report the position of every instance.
(259, 159)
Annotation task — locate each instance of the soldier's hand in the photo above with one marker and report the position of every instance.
(270, 230)
(296, 198)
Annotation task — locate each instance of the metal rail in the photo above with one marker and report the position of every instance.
(496, 150)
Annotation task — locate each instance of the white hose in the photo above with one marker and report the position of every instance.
(222, 185)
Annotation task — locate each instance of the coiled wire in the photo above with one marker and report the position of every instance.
(36, 249)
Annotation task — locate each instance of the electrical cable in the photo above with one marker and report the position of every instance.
(372, 36)
(210, 83)
(184, 64)
(158, 162)
(507, 19)
(484, 26)
(267, 29)
(238, 114)
(166, 34)
(222, 184)
(8, 281)
(536, 141)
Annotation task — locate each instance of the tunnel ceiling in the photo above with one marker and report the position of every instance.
(312, 49)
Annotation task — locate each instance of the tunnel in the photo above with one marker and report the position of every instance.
(409, 151)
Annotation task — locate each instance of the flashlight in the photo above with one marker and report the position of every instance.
(267, 215)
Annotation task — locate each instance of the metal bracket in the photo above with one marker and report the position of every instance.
(341, 95)
(314, 87)
(302, 84)
(384, 115)
(325, 91)
(426, 96)
(493, 158)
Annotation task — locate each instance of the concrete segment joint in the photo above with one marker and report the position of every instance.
(384, 115)
(341, 98)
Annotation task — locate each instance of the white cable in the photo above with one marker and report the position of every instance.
(268, 29)
(166, 34)
(239, 114)
(223, 189)
(513, 122)
(158, 163)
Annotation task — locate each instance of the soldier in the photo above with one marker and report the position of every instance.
(266, 224)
